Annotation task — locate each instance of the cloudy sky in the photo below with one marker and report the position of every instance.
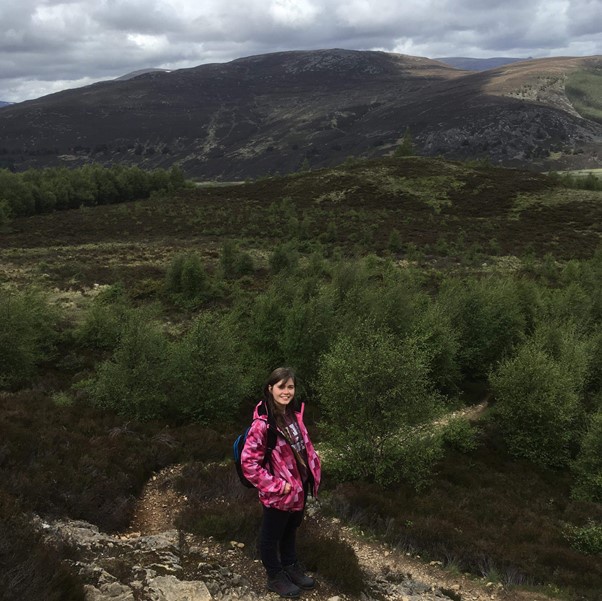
(50, 45)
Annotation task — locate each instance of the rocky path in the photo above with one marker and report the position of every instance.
(153, 561)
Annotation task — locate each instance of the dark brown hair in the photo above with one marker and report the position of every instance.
(279, 374)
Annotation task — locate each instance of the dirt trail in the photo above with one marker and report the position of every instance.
(159, 506)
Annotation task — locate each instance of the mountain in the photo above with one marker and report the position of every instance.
(477, 64)
(139, 72)
(274, 112)
(2, 103)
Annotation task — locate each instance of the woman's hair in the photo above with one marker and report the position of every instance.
(282, 373)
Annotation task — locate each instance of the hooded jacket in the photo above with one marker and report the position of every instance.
(271, 479)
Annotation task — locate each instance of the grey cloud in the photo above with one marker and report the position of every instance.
(77, 40)
(140, 16)
(585, 18)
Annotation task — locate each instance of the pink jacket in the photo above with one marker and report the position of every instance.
(282, 467)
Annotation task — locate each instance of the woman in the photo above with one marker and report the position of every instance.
(293, 471)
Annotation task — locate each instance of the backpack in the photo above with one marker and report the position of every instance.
(239, 445)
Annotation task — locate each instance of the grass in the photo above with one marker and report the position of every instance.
(584, 90)
(553, 199)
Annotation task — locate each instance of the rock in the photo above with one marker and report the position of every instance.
(91, 593)
(169, 588)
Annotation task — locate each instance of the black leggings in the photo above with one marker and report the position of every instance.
(277, 538)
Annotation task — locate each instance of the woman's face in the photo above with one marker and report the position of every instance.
(283, 392)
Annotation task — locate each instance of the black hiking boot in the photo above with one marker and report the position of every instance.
(283, 585)
(296, 573)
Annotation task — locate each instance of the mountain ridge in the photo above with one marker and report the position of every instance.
(274, 112)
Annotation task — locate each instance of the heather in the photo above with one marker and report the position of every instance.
(156, 357)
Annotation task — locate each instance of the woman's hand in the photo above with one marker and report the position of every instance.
(287, 488)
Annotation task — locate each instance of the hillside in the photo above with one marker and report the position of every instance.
(271, 113)
(477, 64)
(136, 336)
(438, 207)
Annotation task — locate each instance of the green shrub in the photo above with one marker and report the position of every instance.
(244, 265)
(435, 328)
(173, 275)
(103, 321)
(62, 399)
(4, 213)
(234, 262)
(490, 319)
(394, 245)
(186, 279)
(585, 539)
(460, 434)
(285, 258)
(306, 335)
(27, 335)
(205, 380)
(588, 464)
(564, 343)
(133, 381)
(569, 303)
(290, 323)
(374, 391)
(537, 405)
(263, 326)
(193, 279)
(406, 147)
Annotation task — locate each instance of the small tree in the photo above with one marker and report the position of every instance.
(406, 148)
(234, 262)
(4, 213)
(285, 258)
(489, 317)
(377, 404)
(27, 334)
(537, 405)
(205, 384)
(394, 245)
(186, 279)
(133, 381)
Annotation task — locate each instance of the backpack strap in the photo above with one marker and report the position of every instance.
(271, 445)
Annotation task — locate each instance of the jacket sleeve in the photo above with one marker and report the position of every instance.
(252, 457)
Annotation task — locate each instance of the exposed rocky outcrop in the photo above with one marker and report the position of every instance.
(171, 566)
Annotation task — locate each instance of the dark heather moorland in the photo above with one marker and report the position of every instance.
(273, 113)
(136, 335)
